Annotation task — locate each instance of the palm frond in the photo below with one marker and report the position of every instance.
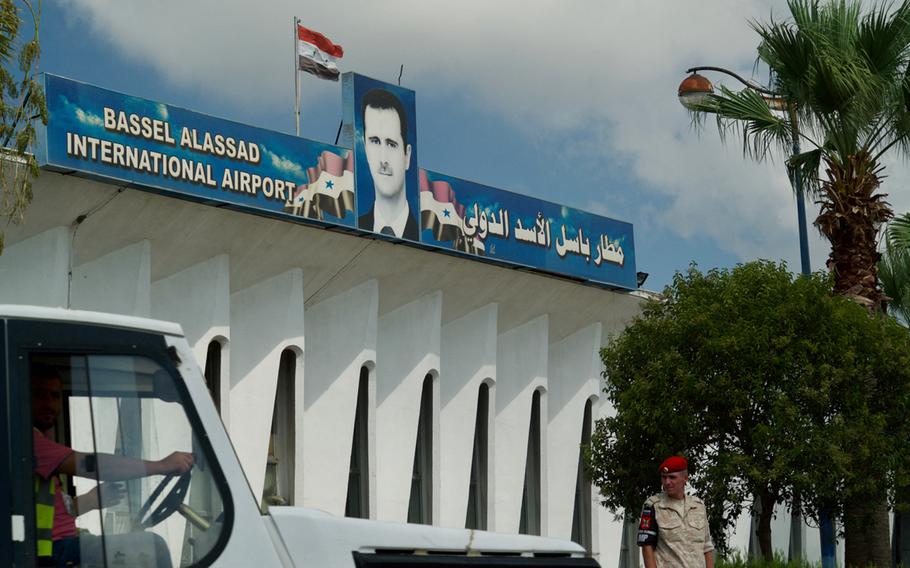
(787, 54)
(803, 168)
(899, 231)
(899, 118)
(894, 269)
(748, 114)
(883, 39)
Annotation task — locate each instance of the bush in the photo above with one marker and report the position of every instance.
(735, 560)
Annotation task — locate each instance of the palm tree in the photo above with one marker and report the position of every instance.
(894, 268)
(839, 72)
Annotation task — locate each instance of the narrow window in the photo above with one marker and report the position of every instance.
(477, 491)
(279, 471)
(213, 372)
(581, 518)
(530, 499)
(420, 507)
(358, 502)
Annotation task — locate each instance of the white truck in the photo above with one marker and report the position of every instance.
(132, 388)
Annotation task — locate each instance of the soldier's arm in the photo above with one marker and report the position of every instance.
(647, 554)
(647, 534)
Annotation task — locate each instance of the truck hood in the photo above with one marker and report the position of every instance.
(316, 538)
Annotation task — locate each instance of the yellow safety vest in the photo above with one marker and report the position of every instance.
(44, 515)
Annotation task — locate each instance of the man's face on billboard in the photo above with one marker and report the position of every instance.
(387, 155)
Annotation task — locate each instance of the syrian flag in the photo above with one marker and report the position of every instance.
(440, 211)
(316, 54)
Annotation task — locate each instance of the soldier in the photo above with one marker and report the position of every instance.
(674, 526)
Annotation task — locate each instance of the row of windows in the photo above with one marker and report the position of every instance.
(279, 481)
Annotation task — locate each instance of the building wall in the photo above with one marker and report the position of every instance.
(341, 303)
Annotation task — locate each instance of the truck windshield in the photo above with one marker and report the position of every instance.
(142, 493)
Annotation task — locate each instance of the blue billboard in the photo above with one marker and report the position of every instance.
(484, 221)
(374, 187)
(385, 155)
(162, 147)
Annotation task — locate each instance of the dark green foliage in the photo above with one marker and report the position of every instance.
(894, 267)
(737, 561)
(770, 385)
(21, 103)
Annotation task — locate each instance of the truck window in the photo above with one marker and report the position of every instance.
(143, 492)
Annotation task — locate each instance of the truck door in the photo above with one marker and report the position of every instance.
(125, 410)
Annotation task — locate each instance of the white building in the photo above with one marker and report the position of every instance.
(357, 374)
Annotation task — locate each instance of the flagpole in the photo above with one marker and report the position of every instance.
(296, 81)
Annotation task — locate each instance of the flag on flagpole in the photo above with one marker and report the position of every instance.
(316, 54)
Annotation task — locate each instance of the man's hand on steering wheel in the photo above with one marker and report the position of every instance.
(176, 463)
(168, 505)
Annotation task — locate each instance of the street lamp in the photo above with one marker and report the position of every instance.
(694, 91)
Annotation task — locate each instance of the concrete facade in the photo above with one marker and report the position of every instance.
(348, 306)
(343, 305)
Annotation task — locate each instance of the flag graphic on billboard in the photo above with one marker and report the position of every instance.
(329, 191)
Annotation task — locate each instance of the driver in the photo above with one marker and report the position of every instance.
(58, 540)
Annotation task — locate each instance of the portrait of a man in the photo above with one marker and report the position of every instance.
(390, 158)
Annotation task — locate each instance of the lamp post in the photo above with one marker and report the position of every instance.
(694, 90)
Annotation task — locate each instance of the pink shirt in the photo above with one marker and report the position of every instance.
(48, 456)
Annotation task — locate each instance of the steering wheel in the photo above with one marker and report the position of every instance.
(168, 506)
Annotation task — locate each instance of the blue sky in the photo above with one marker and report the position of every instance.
(571, 101)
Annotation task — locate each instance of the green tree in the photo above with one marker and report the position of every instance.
(842, 73)
(894, 267)
(21, 103)
(771, 386)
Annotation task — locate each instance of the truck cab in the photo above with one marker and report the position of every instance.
(131, 388)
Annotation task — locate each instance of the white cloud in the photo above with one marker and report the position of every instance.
(285, 164)
(604, 73)
(87, 117)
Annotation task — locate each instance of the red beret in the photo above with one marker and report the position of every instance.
(674, 463)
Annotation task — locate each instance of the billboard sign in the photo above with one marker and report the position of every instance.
(385, 155)
(162, 147)
(374, 185)
(496, 224)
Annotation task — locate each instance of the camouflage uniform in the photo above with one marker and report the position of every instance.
(677, 529)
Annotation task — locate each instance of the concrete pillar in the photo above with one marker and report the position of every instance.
(199, 299)
(340, 338)
(34, 270)
(407, 350)
(521, 368)
(118, 282)
(780, 530)
(610, 534)
(468, 358)
(574, 369)
(266, 318)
